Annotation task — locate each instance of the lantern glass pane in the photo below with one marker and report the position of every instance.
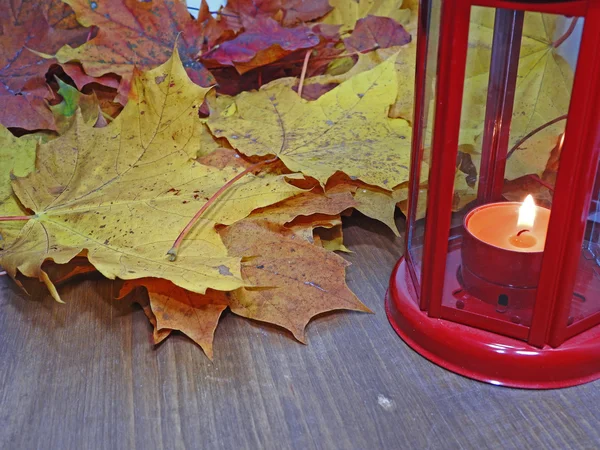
(416, 228)
(516, 96)
(586, 296)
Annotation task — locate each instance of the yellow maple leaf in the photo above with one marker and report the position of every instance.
(331, 239)
(347, 12)
(346, 129)
(122, 193)
(373, 202)
(542, 93)
(18, 158)
(306, 226)
(377, 205)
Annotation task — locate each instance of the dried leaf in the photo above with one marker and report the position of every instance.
(332, 239)
(123, 192)
(375, 32)
(236, 12)
(59, 15)
(157, 335)
(224, 157)
(315, 87)
(305, 204)
(377, 205)
(516, 190)
(373, 202)
(314, 221)
(294, 280)
(305, 226)
(290, 12)
(346, 129)
(302, 11)
(24, 27)
(61, 273)
(82, 79)
(174, 308)
(18, 158)
(347, 12)
(263, 42)
(544, 81)
(72, 99)
(140, 34)
(126, 289)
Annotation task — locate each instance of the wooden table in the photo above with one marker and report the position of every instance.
(85, 376)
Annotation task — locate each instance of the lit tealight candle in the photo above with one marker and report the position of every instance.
(514, 226)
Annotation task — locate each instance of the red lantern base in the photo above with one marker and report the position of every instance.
(486, 356)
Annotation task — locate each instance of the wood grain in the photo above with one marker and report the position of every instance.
(85, 376)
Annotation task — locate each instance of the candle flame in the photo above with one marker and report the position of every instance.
(527, 213)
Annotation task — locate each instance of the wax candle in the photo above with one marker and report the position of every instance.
(520, 227)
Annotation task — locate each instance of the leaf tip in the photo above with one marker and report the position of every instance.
(300, 335)
(53, 292)
(364, 308)
(208, 351)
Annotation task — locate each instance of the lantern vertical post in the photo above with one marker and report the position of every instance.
(574, 187)
(454, 35)
(419, 116)
(506, 47)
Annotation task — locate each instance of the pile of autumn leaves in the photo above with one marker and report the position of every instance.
(114, 145)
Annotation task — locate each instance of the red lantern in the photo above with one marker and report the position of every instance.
(481, 290)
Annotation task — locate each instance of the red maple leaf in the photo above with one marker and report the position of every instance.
(288, 12)
(135, 33)
(23, 26)
(263, 42)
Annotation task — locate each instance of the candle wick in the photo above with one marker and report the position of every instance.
(521, 232)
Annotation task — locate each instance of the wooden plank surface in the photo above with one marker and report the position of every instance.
(85, 376)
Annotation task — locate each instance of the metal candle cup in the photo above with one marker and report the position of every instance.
(496, 266)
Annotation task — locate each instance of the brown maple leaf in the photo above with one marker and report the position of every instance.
(306, 204)
(293, 279)
(24, 26)
(174, 308)
(157, 335)
(374, 32)
(59, 15)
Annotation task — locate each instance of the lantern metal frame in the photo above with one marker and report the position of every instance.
(549, 353)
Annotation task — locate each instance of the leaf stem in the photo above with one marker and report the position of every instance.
(193, 8)
(568, 33)
(107, 116)
(224, 14)
(532, 132)
(11, 218)
(90, 33)
(542, 182)
(173, 251)
(303, 73)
